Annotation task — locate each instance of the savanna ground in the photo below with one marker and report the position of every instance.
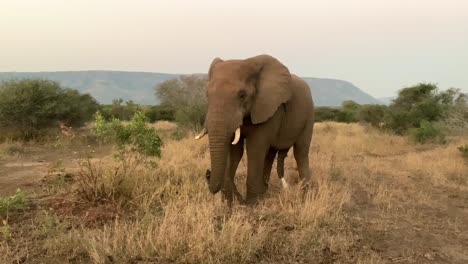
(377, 198)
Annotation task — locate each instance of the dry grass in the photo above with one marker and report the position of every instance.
(164, 125)
(370, 187)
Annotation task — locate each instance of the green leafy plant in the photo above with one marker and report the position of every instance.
(137, 134)
(12, 203)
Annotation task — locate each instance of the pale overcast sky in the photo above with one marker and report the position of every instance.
(380, 46)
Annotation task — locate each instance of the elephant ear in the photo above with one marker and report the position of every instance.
(272, 80)
(213, 63)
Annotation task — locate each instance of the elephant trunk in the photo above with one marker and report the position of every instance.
(219, 147)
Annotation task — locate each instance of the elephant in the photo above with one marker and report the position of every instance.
(255, 101)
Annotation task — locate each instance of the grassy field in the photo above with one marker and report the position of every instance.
(377, 198)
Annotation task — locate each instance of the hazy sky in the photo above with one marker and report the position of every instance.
(380, 46)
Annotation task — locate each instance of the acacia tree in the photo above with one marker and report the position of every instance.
(185, 96)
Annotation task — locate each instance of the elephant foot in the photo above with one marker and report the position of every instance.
(239, 197)
(253, 198)
(228, 197)
(307, 185)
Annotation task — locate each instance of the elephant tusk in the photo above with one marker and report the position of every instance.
(236, 136)
(202, 134)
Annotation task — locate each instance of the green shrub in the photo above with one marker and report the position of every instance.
(143, 138)
(30, 107)
(464, 150)
(428, 132)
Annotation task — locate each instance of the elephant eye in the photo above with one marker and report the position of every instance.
(242, 94)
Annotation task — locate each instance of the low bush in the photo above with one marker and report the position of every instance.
(428, 132)
(137, 134)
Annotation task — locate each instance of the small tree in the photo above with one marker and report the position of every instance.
(349, 112)
(185, 96)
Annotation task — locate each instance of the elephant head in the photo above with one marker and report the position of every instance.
(237, 89)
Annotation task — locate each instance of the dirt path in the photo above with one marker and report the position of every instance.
(27, 169)
(24, 174)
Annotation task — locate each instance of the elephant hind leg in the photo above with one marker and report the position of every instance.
(270, 157)
(280, 167)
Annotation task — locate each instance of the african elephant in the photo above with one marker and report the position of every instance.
(259, 101)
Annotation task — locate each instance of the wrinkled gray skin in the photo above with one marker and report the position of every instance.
(274, 111)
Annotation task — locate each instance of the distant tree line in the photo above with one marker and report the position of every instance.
(125, 110)
(29, 107)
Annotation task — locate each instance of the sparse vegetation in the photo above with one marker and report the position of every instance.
(379, 186)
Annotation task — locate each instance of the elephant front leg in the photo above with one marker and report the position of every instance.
(234, 157)
(256, 187)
